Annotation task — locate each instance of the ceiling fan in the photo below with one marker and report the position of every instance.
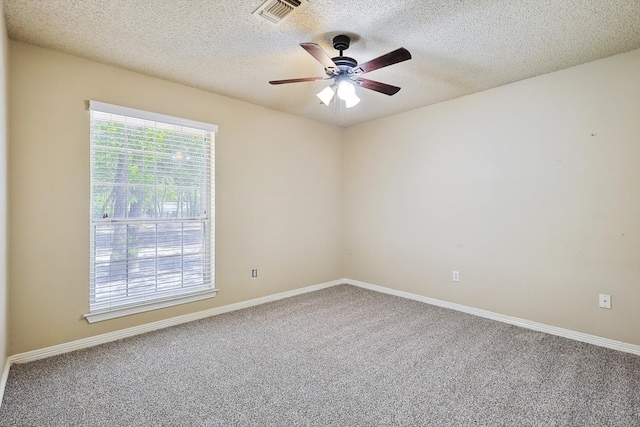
(346, 72)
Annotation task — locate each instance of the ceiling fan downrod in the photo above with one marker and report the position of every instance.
(344, 63)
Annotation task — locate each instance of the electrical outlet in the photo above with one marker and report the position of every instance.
(605, 301)
(254, 273)
(456, 276)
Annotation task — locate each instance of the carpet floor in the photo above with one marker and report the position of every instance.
(342, 356)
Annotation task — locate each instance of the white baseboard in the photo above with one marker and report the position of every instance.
(42, 353)
(541, 327)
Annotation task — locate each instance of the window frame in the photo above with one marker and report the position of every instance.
(207, 290)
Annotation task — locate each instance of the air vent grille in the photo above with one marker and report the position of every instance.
(276, 11)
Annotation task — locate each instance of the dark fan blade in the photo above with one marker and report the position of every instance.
(304, 79)
(378, 87)
(317, 52)
(390, 58)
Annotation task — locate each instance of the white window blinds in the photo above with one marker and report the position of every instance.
(152, 208)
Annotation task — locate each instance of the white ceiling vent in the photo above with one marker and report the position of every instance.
(276, 11)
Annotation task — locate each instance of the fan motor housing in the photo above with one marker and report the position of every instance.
(345, 65)
(344, 61)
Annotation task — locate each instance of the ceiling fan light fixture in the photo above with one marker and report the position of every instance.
(351, 101)
(347, 92)
(326, 95)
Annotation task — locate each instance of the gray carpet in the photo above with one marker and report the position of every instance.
(343, 356)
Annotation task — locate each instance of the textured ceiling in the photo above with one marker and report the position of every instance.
(458, 46)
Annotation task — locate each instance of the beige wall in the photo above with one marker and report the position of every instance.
(278, 194)
(4, 70)
(530, 190)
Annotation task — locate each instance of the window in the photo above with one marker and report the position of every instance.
(152, 211)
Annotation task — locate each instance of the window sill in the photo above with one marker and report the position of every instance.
(106, 314)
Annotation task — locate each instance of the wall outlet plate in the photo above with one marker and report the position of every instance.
(456, 276)
(605, 301)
